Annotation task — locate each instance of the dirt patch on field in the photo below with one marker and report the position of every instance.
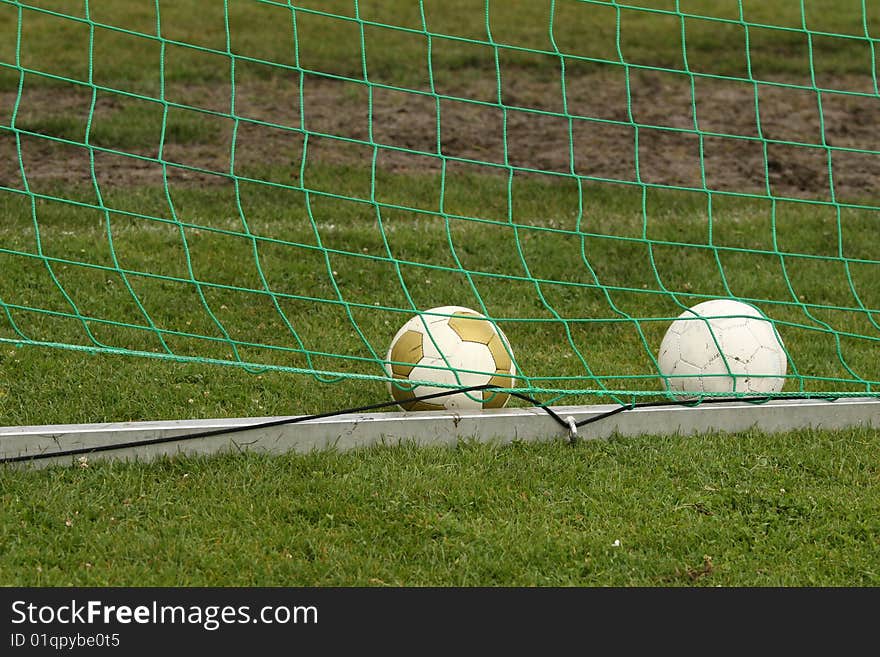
(655, 127)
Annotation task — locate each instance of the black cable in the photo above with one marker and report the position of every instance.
(304, 418)
(230, 430)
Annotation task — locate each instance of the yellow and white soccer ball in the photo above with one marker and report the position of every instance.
(450, 345)
(722, 346)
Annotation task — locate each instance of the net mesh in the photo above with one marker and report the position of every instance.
(281, 185)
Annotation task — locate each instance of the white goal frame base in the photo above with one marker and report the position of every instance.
(44, 445)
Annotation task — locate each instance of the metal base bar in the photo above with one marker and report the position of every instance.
(69, 444)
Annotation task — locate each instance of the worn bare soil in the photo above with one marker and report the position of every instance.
(664, 129)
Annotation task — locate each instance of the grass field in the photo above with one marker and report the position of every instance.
(732, 510)
(146, 211)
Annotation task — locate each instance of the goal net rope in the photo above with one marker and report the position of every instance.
(276, 185)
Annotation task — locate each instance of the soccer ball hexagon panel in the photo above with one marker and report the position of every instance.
(452, 346)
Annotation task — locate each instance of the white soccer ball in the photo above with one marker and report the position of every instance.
(722, 346)
(450, 345)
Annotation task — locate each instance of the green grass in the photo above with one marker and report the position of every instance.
(396, 50)
(592, 333)
(135, 126)
(101, 258)
(750, 509)
(559, 282)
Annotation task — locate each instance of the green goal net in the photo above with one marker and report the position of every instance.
(273, 185)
